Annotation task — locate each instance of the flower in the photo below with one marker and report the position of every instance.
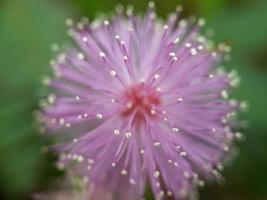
(140, 102)
(71, 188)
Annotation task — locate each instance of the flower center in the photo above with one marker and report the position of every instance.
(141, 100)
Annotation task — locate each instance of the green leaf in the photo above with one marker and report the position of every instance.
(244, 26)
(27, 29)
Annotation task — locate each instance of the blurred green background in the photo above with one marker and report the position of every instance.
(29, 27)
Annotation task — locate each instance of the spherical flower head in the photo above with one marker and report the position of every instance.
(139, 102)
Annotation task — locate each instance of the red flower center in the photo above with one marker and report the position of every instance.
(141, 100)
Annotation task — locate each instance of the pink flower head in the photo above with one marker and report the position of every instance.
(141, 102)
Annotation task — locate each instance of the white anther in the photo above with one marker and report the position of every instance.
(175, 129)
(80, 56)
(51, 98)
(244, 106)
(161, 194)
(183, 23)
(124, 172)
(116, 132)
(157, 144)
(165, 27)
(90, 161)
(201, 183)
(130, 29)
(60, 166)
(156, 76)
(61, 121)
(188, 45)
(142, 80)
(220, 167)
(158, 89)
(152, 15)
(224, 120)
(85, 39)
(99, 116)
(128, 134)
(238, 135)
(69, 22)
(224, 94)
(132, 181)
(200, 47)
(106, 22)
(169, 193)
(152, 112)
(193, 52)
(62, 58)
(214, 54)
(201, 22)
(172, 54)
(180, 99)
(186, 174)
(74, 156)
(102, 54)
(151, 4)
(80, 26)
(225, 148)
(177, 40)
(67, 125)
(156, 174)
(80, 158)
(113, 73)
(46, 81)
(129, 105)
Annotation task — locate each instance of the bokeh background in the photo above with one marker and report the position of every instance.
(29, 27)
